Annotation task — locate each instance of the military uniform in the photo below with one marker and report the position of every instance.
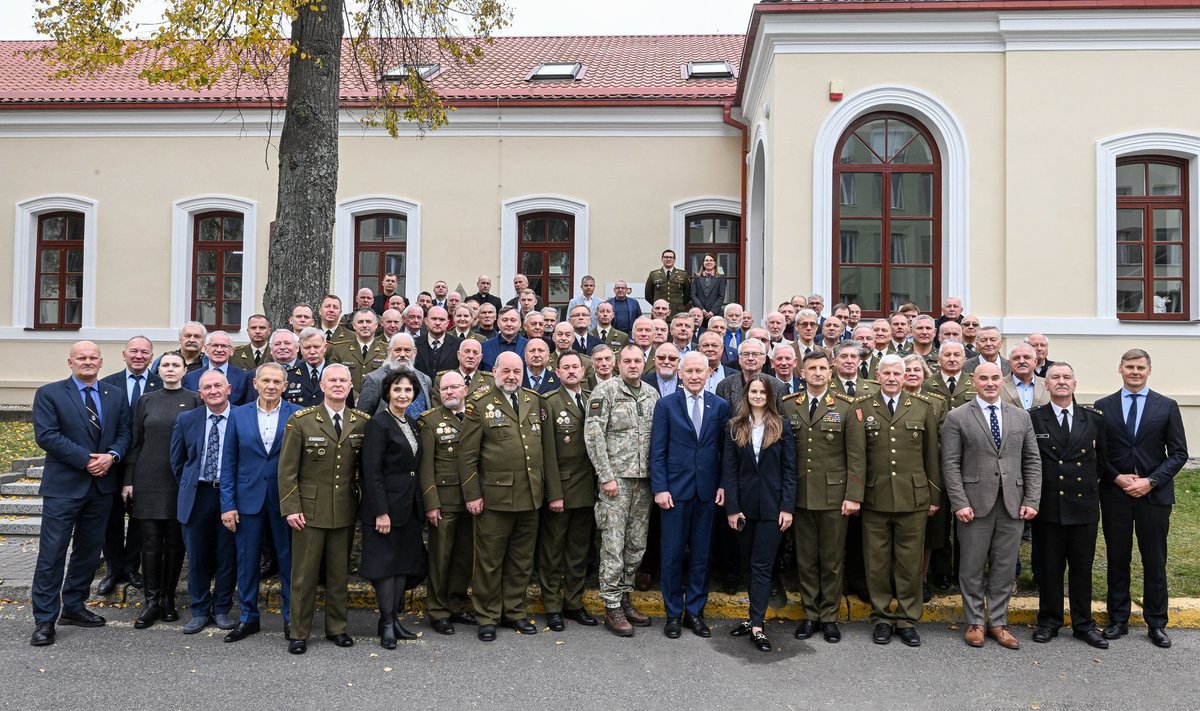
(676, 288)
(508, 460)
(243, 357)
(318, 476)
(341, 333)
(612, 337)
(862, 386)
(854, 571)
(964, 389)
(468, 336)
(302, 389)
(617, 433)
(452, 541)
(552, 364)
(830, 461)
(903, 480)
(350, 354)
(565, 539)
(478, 379)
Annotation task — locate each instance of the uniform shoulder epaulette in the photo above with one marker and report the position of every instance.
(547, 395)
(870, 381)
(531, 391)
(430, 411)
(928, 395)
(305, 411)
(845, 397)
(923, 397)
(366, 415)
(1039, 407)
(478, 394)
(440, 373)
(861, 398)
(1092, 408)
(793, 396)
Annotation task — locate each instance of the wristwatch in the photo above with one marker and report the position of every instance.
(1152, 484)
(116, 457)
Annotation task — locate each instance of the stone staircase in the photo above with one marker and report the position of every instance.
(20, 505)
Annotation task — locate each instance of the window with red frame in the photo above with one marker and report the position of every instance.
(217, 244)
(546, 255)
(380, 247)
(59, 283)
(1152, 239)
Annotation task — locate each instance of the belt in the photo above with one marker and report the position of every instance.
(213, 484)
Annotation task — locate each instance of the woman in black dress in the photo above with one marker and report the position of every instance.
(152, 486)
(393, 555)
(708, 288)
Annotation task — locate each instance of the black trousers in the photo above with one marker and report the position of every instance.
(763, 537)
(77, 524)
(122, 548)
(1122, 519)
(1060, 549)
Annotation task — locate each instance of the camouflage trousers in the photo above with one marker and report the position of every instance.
(623, 521)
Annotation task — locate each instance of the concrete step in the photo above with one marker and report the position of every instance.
(34, 472)
(21, 506)
(20, 525)
(23, 487)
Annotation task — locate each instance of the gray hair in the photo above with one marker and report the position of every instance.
(749, 341)
(287, 331)
(847, 345)
(203, 329)
(310, 331)
(891, 359)
(270, 366)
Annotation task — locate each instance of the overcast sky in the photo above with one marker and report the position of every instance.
(530, 17)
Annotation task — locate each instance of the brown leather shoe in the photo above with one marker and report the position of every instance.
(614, 620)
(635, 618)
(1004, 637)
(974, 636)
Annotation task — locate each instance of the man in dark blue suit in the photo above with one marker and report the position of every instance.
(538, 375)
(123, 549)
(1145, 447)
(685, 472)
(217, 349)
(197, 460)
(83, 426)
(508, 338)
(581, 320)
(250, 493)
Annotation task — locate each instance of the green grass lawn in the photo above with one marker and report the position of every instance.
(16, 441)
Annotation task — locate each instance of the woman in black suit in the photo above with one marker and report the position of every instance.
(759, 479)
(393, 556)
(708, 288)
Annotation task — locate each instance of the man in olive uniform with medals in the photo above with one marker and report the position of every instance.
(451, 528)
(830, 461)
(670, 283)
(508, 468)
(362, 354)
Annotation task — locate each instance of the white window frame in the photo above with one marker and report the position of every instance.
(510, 212)
(348, 212)
(25, 257)
(183, 213)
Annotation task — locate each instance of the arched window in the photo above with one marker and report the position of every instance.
(1152, 238)
(721, 236)
(380, 247)
(217, 241)
(59, 295)
(887, 245)
(546, 255)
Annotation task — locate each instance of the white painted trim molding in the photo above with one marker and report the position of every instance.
(25, 256)
(1179, 144)
(694, 206)
(511, 209)
(343, 248)
(951, 140)
(182, 212)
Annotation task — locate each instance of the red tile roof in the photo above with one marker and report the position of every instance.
(617, 69)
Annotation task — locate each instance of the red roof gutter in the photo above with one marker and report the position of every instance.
(716, 102)
(727, 115)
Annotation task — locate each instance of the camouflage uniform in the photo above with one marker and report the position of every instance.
(617, 433)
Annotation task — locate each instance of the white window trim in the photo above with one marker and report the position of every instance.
(182, 214)
(757, 221)
(511, 210)
(347, 213)
(680, 211)
(1179, 144)
(25, 256)
(951, 139)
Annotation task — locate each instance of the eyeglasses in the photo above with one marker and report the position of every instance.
(970, 323)
(666, 357)
(808, 324)
(752, 354)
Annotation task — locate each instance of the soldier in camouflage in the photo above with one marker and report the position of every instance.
(617, 434)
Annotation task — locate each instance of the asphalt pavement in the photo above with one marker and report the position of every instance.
(118, 667)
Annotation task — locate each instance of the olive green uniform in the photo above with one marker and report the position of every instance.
(508, 460)
(478, 380)
(243, 357)
(350, 354)
(676, 288)
(614, 338)
(862, 386)
(452, 541)
(903, 480)
(830, 460)
(318, 477)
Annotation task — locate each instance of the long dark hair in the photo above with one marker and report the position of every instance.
(742, 428)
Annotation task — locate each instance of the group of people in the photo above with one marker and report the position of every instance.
(479, 445)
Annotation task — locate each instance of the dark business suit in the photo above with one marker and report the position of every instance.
(760, 489)
(589, 342)
(75, 504)
(240, 383)
(688, 466)
(1157, 451)
(210, 546)
(548, 383)
(252, 489)
(446, 358)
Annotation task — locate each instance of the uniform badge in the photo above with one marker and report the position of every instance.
(595, 406)
(828, 436)
(566, 439)
(870, 419)
(829, 400)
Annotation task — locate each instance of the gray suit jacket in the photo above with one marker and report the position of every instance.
(972, 363)
(1009, 394)
(973, 470)
(371, 401)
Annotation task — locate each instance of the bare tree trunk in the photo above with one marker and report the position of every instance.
(301, 248)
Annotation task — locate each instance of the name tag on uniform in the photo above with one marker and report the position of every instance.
(1045, 435)
(318, 440)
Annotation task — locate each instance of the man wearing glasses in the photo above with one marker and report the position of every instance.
(665, 376)
(625, 309)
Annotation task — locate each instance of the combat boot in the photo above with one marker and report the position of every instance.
(614, 620)
(635, 618)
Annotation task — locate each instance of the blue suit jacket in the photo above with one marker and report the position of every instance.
(1158, 449)
(492, 348)
(117, 379)
(687, 466)
(61, 428)
(239, 380)
(188, 441)
(253, 471)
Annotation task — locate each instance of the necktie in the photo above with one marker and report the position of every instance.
(364, 352)
(337, 425)
(850, 388)
(950, 383)
(1065, 423)
(579, 403)
(93, 415)
(314, 377)
(807, 351)
(878, 355)
(995, 425)
(513, 399)
(329, 335)
(1132, 416)
(212, 450)
(812, 408)
(697, 415)
(459, 415)
(579, 344)
(536, 382)
(257, 356)
(604, 335)
(467, 380)
(892, 405)
(437, 347)
(864, 370)
(137, 389)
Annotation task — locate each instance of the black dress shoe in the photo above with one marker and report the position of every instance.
(1044, 634)
(136, 580)
(555, 622)
(1116, 630)
(486, 633)
(169, 612)
(1092, 637)
(297, 646)
(761, 643)
(743, 628)
(697, 625)
(43, 634)
(466, 617)
(806, 629)
(522, 625)
(581, 616)
(909, 636)
(106, 586)
(672, 629)
(341, 640)
(266, 571)
(882, 633)
(442, 626)
(831, 633)
(82, 617)
(242, 631)
(1159, 637)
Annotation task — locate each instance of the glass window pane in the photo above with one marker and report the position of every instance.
(368, 282)
(861, 194)
(727, 264)
(74, 224)
(1129, 260)
(206, 262)
(1129, 225)
(1129, 296)
(912, 242)
(560, 231)
(75, 261)
(560, 264)
(531, 264)
(50, 260)
(1164, 179)
(915, 153)
(700, 231)
(560, 290)
(1168, 225)
(368, 262)
(535, 283)
(52, 229)
(206, 312)
(1168, 260)
(533, 230)
(393, 263)
(395, 229)
(232, 288)
(860, 285)
(912, 195)
(75, 286)
(913, 284)
(206, 287)
(49, 287)
(48, 311)
(368, 230)
(1131, 179)
(899, 134)
(210, 229)
(855, 152)
(873, 134)
(233, 263)
(231, 312)
(861, 242)
(726, 231)
(1168, 297)
(233, 229)
(72, 313)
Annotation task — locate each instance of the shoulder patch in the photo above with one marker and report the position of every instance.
(480, 392)
(844, 397)
(306, 411)
(793, 396)
(596, 406)
(1091, 408)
